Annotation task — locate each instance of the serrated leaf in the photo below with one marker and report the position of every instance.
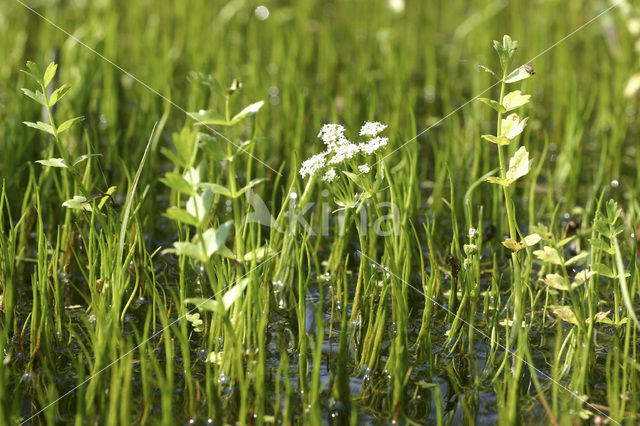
(248, 111)
(565, 313)
(78, 202)
(53, 162)
(49, 73)
(178, 214)
(45, 127)
(549, 255)
(58, 94)
(208, 80)
(36, 96)
(498, 140)
(513, 245)
(67, 124)
(518, 165)
(493, 104)
(556, 281)
(178, 183)
(212, 147)
(36, 72)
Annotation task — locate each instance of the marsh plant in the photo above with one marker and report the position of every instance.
(242, 263)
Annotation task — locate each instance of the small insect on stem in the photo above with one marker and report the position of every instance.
(528, 68)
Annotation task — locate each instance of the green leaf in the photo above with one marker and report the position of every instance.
(498, 140)
(231, 296)
(549, 255)
(518, 74)
(78, 202)
(178, 183)
(217, 189)
(36, 96)
(556, 281)
(248, 111)
(85, 157)
(53, 162)
(487, 70)
(199, 205)
(45, 127)
(599, 244)
(178, 214)
(108, 194)
(214, 239)
(576, 258)
(210, 305)
(67, 124)
(186, 146)
(208, 80)
(248, 186)
(514, 100)
(532, 240)
(49, 73)
(218, 306)
(499, 181)
(36, 72)
(212, 147)
(208, 117)
(493, 104)
(58, 94)
(513, 245)
(518, 165)
(183, 248)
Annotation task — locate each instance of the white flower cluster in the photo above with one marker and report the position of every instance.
(373, 145)
(312, 165)
(372, 129)
(340, 149)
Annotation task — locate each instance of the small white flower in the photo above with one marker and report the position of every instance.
(329, 175)
(343, 152)
(372, 129)
(512, 126)
(373, 145)
(364, 168)
(331, 134)
(473, 232)
(313, 164)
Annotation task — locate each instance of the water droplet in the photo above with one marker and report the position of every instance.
(615, 183)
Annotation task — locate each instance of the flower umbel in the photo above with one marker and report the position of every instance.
(372, 129)
(313, 164)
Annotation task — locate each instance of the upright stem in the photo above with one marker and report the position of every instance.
(518, 293)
